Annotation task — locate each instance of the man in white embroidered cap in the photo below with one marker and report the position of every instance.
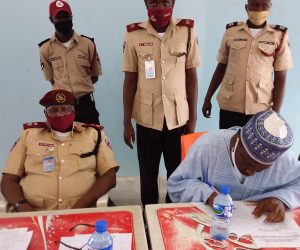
(252, 160)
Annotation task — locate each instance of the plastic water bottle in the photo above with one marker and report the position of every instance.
(222, 207)
(100, 239)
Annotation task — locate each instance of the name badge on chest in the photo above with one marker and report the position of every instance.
(150, 69)
(48, 164)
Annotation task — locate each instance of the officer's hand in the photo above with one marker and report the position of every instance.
(275, 207)
(206, 108)
(129, 135)
(189, 126)
(26, 207)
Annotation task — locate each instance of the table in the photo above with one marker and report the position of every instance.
(170, 227)
(49, 226)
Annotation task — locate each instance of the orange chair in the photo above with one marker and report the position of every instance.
(187, 141)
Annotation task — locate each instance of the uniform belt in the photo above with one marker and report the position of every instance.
(85, 99)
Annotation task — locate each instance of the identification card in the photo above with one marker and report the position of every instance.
(150, 69)
(48, 164)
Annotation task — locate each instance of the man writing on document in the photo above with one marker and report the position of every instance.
(253, 161)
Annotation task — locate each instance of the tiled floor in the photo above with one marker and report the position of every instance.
(127, 191)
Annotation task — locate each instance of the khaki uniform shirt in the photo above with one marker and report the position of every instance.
(165, 96)
(70, 68)
(248, 82)
(72, 176)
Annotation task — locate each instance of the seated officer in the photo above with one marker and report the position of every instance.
(253, 161)
(58, 164)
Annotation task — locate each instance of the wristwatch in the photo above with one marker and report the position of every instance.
(20, 203)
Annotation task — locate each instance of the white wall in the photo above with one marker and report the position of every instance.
(24, 24)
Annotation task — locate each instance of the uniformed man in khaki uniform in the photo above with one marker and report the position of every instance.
(58, 164)
(70, 61)
(160, 90)
(253, 61)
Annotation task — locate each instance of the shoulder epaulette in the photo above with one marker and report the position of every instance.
(133, 27)
(35, 125)
(95, 126)
(186, 22)
(279, 27)
(41, 43)
(234, 24)
(92, 39)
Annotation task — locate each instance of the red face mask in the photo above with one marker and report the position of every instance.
(61, 123)
(160, 17)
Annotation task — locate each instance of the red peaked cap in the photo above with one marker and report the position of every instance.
(57, 97)
(57, 6)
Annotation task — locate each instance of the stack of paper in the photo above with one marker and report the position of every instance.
(121, 241)
(265, 235)
(15, 239)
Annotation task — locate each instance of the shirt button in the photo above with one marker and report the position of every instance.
(162, 44)
(164, 78)
(62, 161)
(60, 200)
(164, 96)
(162, 62)
(62, 144)
(60, 178)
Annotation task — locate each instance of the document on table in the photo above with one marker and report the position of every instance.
(242, 221)
(284, 234)
(121, 241)
(265, 235)
(15, 239)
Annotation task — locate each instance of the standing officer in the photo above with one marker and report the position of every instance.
(60, 164)
(160, 90)
(71, 62)
(250, 55)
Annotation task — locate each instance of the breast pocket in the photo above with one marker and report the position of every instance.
(179, 51)
(264, 92)
(57, 66)
(267, 51)
(144, 53)
(84, 65)
(236, 50)
(76, 161)
(34, 158)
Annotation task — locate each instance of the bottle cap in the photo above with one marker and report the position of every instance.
(225, 190)
(101, 226)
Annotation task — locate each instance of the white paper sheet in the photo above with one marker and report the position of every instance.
(121, 241)
(285, 234)
(265, 235)
(15, 239)
(242, 221)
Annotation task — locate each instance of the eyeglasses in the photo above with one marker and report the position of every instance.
(53, 111)
(154, 3)
(68, 246)
(71, 229)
